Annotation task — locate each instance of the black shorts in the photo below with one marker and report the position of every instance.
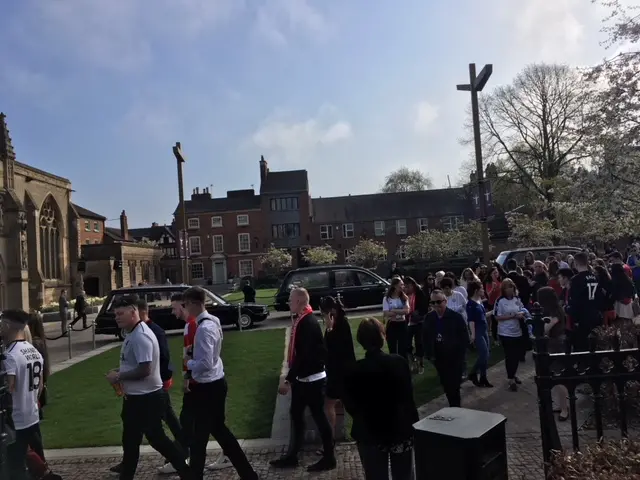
(334, 389)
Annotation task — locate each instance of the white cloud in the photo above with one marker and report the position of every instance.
(425, 116)
(276, 20)
(297, 140)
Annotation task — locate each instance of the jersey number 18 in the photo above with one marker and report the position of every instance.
(35, 375)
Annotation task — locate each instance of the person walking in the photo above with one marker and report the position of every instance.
(446, 339)
(63, 309)
(209, 390)
(306, 380)
(395, 307)
(383, 437)
(479, 329)
(418, 309)
(144, 402)
(509, 313)
(80, 309)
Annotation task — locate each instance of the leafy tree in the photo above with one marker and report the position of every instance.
(527, 231)
(438, 244)
(275, 260)
(406, 180)
(534, 128)
(323, 255)
(367, 253)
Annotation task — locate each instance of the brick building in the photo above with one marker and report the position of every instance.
(90, 225)
(163, 237)
(386, 217)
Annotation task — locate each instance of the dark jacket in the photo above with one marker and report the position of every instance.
(166, 371)
(422, 302)
(455, 335)
(81, 304)
(340, 352)
(249, 294)
(388, 419)
(310, 351)
(522, 284)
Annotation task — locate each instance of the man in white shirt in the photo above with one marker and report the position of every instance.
(209, 390)
(143, 406)
(24, 367)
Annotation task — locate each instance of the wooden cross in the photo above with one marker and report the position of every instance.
(177, 151)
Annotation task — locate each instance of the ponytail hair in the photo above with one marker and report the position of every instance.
(332, 304)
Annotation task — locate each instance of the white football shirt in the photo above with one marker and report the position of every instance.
(24, 362)
(141, 346)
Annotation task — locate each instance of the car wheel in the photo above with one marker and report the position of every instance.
(121, 334)
(245, 321)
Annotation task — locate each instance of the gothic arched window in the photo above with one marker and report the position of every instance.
(50, 240)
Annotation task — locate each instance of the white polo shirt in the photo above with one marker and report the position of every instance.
(141, 346)
(24, 362)
(206, 364)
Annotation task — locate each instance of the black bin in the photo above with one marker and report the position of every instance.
(461, 444)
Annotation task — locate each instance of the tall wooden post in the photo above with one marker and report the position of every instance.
(182, 225)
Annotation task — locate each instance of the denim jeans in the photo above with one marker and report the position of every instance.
(482, 349)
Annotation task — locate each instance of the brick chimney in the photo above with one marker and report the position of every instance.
(264, 169)
(124, 226)
(154, 224)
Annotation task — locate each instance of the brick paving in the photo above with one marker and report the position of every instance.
(524, 448)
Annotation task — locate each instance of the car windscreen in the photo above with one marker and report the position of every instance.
(154, 298)
(214, 298)
(502, 258)
(307, 279)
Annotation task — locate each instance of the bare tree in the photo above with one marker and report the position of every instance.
(406, 180)
(534, 128)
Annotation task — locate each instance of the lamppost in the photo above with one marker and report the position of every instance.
(475, 85)
(182, 233)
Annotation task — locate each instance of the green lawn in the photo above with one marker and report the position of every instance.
(83, 410)
(264, 296)
(426, 386)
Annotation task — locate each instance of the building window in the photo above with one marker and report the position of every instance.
(286, 230)
(244, 242)
(50, 241)
(347, 255)
(378, 227)
(193, 223)
(243, 220)
(87, 226)
(347, 230)
(194, 246)
(87, 241)
(452, 223)
(401, 227)
(96, 227)
(245, 268)
(401, 253)
(197, 271)
(216, 222)
(218, 244)
(132, 272)
(145, 270)
(423, 224)
(284, 204)
(326, 232)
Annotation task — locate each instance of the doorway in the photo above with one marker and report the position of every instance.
(219, 271)
(91, 287)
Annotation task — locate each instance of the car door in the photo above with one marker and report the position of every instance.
(160, 313)
(316, 282)
(346, 287)
(372, 288)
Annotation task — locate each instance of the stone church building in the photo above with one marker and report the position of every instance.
(39, 246)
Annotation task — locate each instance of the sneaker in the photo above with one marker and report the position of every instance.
(221, 463)
(513, 387)
(166, 469)
(51, 476)
(116, 468)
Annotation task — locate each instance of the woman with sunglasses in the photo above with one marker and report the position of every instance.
(395, 306)
(340, 353)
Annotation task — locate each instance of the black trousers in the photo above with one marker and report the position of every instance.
(312, 395)
(187, 422)
(449, 370)
(398, 338)
(78, 316)
(142, 416)
(209, 401)
(514, 349)
(175, 427)
(17, 451)
(414, 334)
(375, 463)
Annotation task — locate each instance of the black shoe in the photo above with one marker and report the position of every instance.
(51, 476)
(323, 465)
(116, 468)
(285, 462)
(517, 380)
(473, 378)
(513, 387)
(485, 383)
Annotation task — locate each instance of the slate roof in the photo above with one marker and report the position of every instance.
(389, 206)
(86, 213)
(114, 234)
(287, 181)
(153, 233)
(231, 203)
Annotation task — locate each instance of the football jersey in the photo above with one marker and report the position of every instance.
(586, 298)
(141, 346)
(24, 362)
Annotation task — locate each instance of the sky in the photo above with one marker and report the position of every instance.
(350, 90)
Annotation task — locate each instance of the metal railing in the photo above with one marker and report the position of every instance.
(571, 369)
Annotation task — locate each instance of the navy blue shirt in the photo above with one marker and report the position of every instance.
(477, 315)
(166, 371)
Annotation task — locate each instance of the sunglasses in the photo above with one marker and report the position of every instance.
(436, 302)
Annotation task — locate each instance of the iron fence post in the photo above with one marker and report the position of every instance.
(93, 335)
(69, 343)
(240, 316)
